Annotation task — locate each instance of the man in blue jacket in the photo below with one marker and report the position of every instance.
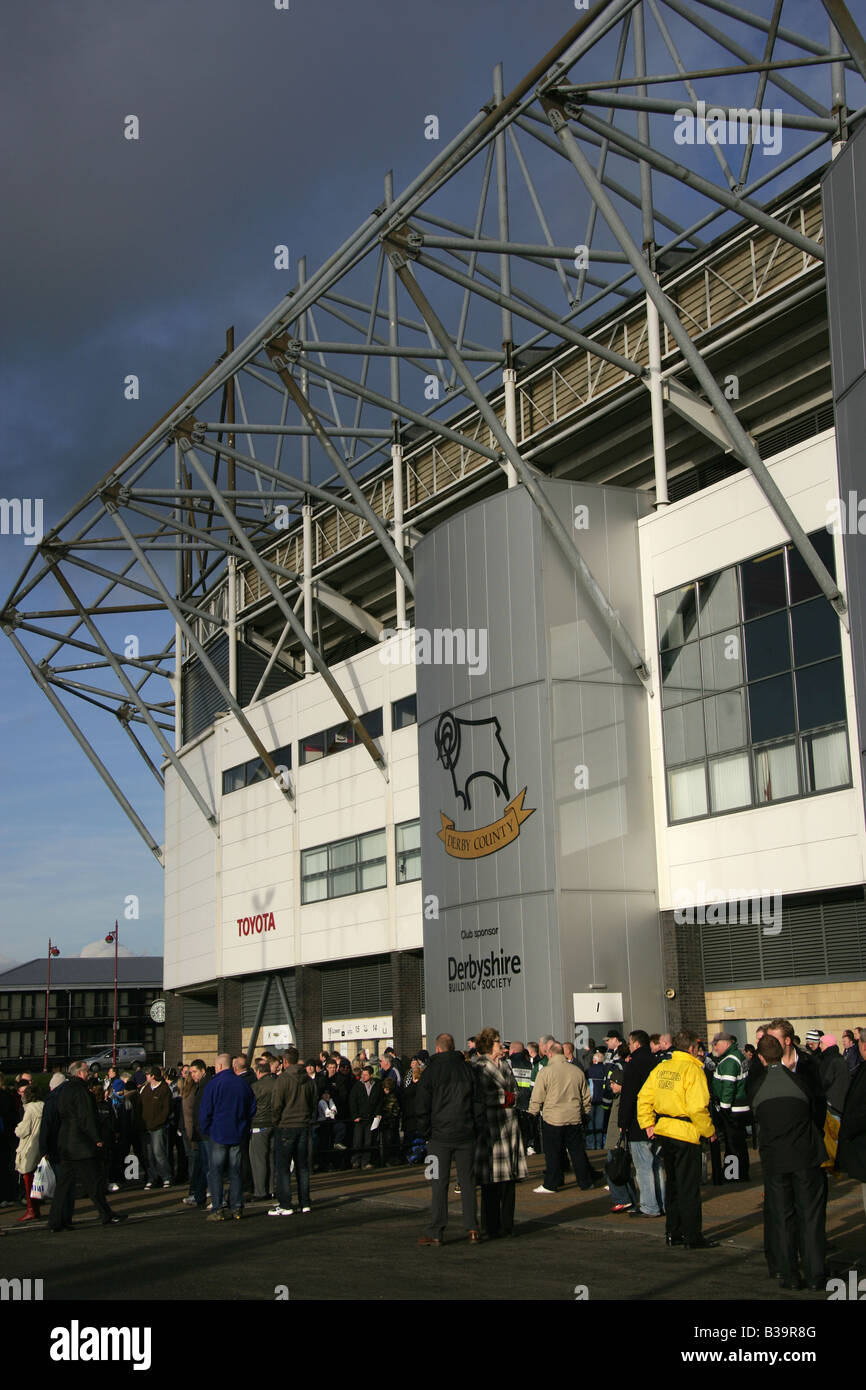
(225, 1119)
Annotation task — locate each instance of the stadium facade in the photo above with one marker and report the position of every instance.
(594, 757)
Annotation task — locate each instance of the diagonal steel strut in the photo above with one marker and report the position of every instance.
(592, 588)
(743, 446)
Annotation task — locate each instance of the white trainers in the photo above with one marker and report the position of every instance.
(530, 1152)
(282, 1211)
(189, 1202)
(549, 1190)
(148, 1186)
(113, 1187)
(304, 1210)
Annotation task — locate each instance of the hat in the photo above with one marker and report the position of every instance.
(57, 1080)
(828, 1040)
(814, 1035)
(723, 1037)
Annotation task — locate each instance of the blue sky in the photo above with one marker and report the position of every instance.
(258, 127)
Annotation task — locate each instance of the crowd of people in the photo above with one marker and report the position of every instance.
(650, 1105)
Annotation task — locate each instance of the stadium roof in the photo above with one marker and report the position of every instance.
(87, 972)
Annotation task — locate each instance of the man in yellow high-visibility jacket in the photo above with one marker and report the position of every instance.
(673, 1106)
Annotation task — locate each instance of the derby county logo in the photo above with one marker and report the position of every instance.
(472, 749)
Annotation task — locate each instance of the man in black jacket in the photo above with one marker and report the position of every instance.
(795, 1060)
(72, 1134)
(790, 1118)
(198, 1193)
(646, 1153)
(365, 1103)
(449, 1113)
(834, 1072)
(262, 1137)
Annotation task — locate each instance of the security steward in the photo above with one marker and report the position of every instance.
(673, 1105)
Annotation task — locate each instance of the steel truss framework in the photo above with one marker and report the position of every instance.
(278, 501)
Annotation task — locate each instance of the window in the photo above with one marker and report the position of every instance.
(408, 851)
(340, 736)
(354, 865)
(247, 774)
(753, 700)
(404, 712)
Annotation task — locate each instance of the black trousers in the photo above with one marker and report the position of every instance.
(733, 1128)
(683, 1188)
(560, 1140)
(497, 1208)
(87, 1173)
(440, 1170)
(795, 1209)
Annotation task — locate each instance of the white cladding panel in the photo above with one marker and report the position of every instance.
(796, 847)
(233, 904)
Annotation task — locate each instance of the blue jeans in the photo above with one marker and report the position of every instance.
(650, 1176)
(596, 1126)
(293, 1144)
(219, 1154)
(158, 1166)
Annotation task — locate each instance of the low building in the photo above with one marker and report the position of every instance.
(80, 1009)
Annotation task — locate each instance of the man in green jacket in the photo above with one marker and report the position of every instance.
(729, 1093)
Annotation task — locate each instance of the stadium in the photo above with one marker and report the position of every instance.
(506, 583)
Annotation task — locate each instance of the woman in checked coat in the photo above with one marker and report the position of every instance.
(499, 1157)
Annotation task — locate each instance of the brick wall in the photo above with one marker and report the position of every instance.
(683, 972)
(830, 1007)
(173, 1036)
(229, 1015)
(406, 1002)
(201, 1045)
(308, 1010)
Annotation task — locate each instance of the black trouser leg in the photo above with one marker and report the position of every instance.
(736, 1146)
(780, 1225)
(683, 1177)
(552, 1137)
(491, 1209)
(809, 1190)
(576, 1150)
(441, 1176)
(465, 1159)
(509, 1194)
(63, 1201)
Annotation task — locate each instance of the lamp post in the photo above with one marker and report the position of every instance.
(113, 936)
(52, 951)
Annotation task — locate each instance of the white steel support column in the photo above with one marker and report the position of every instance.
(307, 514)
(509, 381)
(232, 615)
(397, 478)
(657, 402)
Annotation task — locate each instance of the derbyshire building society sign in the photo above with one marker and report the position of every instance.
(489, 972)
